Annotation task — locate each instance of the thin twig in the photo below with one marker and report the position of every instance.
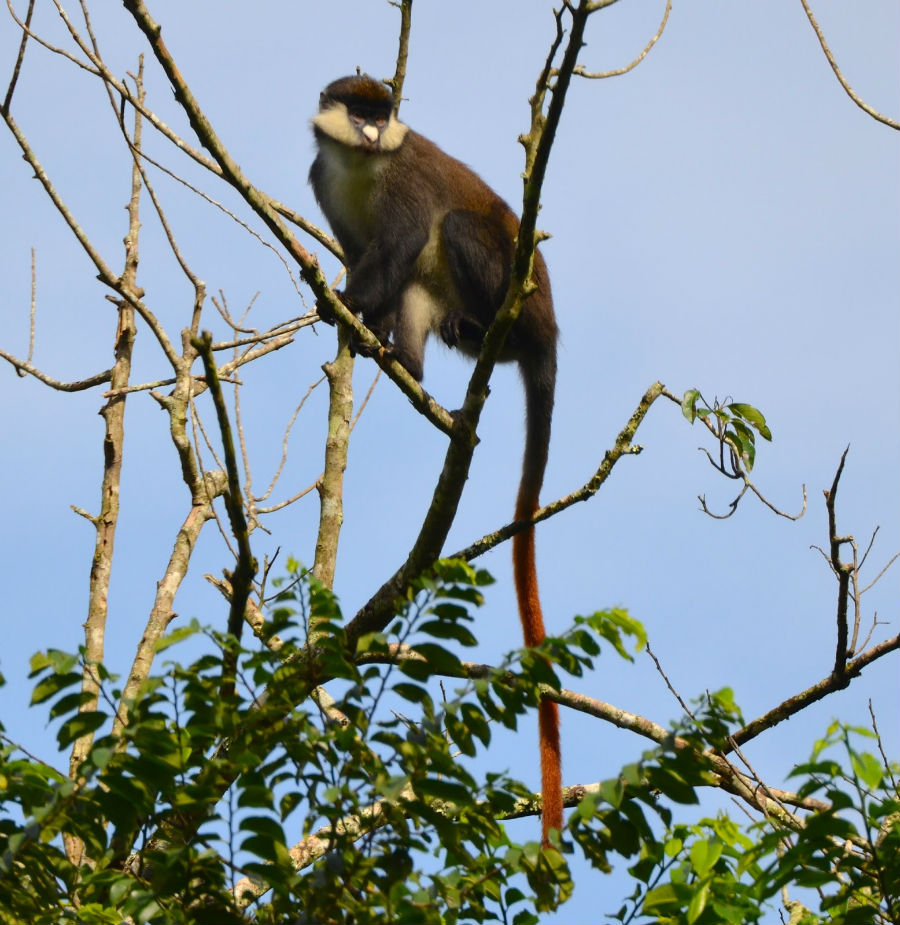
(623, 446)
(581, 72)
(837, 73)
(26, 28)
(285, 438)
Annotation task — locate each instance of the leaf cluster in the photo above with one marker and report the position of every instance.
(365, 802)
(841, 862)
(734, 423)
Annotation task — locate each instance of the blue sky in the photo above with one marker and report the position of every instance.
(723, 217)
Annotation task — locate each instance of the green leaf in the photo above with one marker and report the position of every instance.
(446, 629)
(61, 662)
(177, 635)
(752, 416)
(613, 791)
(412, 692)
(263, 825)
(672, 847)
(743, 443)
(704, 855)
(460, 734)
(868, 769)
(689, 404)
(438, 661)
(120, 888)
(70, 703)
(661, 897)
(478, 725)
(53, 684)
(698, 902)
(79, 725)
(444, 790)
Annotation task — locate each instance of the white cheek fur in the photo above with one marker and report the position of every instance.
(335, 122)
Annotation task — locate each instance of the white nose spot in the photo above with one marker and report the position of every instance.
(371, 132)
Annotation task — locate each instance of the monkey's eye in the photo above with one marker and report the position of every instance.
(381, 121)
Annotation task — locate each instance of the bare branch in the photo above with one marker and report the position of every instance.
(837, 72)
(842, 570)
(245, 570)
(622, 447)
(581, 72)
(105, 274)
(284, 440)
(214, 484)
(32, 308)
(26, 30)
(396, 82)
(818, 691)
(106, 523)
(878, 577)
(79, 386)
(331, 485)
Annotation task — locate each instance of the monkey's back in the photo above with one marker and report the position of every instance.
(439, 184)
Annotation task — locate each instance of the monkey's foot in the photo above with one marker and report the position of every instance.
(370, 350)
(457, 326)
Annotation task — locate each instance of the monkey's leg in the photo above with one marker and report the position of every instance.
(416, 318)
(479, 252)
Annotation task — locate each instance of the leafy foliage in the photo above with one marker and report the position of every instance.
(287, 803)
(845, 856)
(734, 423)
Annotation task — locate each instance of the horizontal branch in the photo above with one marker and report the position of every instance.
(79, 386)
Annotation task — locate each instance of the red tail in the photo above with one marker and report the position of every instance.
(539, 387)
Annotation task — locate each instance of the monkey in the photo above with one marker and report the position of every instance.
(428, 247)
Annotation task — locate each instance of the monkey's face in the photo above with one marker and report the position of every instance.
(358, 112)
(370, 126)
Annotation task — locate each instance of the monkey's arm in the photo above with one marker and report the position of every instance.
(383, 269)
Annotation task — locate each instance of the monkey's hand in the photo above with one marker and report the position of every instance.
(457, 326)
(325, 311)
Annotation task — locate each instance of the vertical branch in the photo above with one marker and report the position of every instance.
(331, 485)
(32, 311)
(106, 522)
(539, 141)
(399, 77)
(842, 571)
(245, 569)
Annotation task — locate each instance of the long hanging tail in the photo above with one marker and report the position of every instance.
(540, 380)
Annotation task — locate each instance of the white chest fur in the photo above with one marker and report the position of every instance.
(347, 179)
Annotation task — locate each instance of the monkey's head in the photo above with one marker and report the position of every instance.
(358, 112)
